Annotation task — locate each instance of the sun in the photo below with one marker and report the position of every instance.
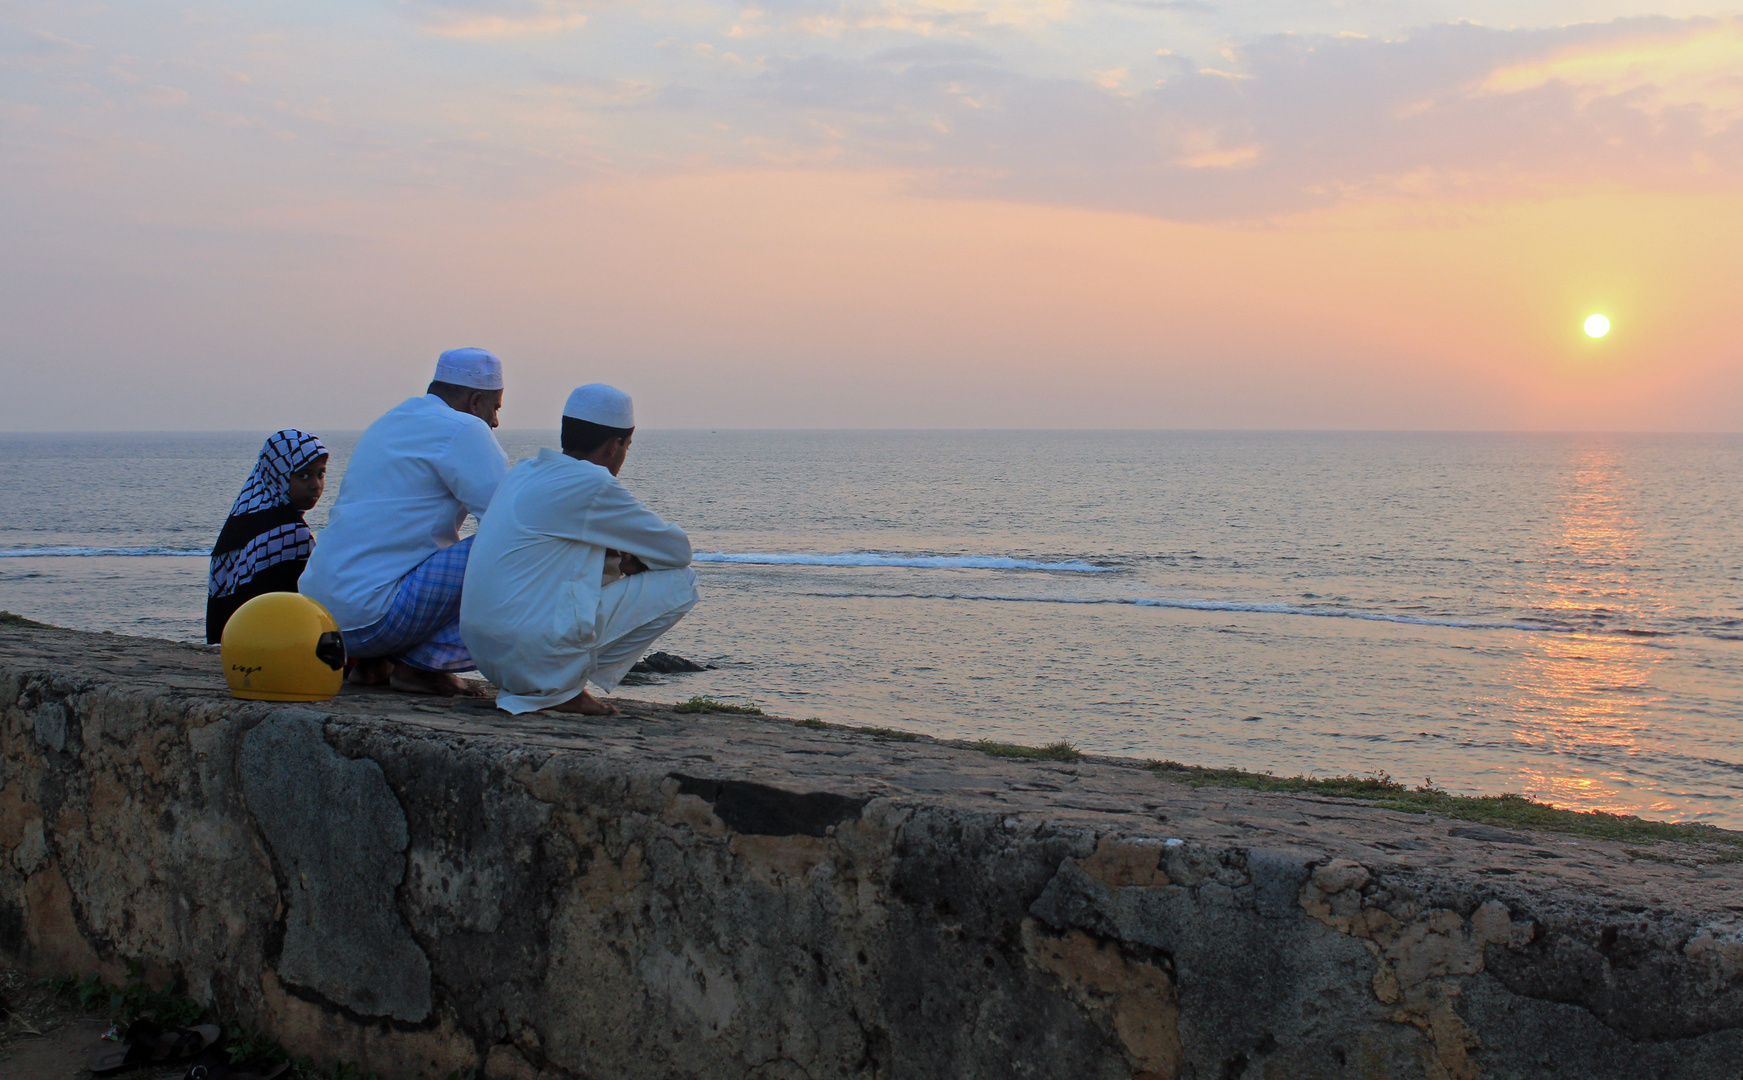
(1597, 326)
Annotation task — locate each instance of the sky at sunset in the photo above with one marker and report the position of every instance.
(876, 213)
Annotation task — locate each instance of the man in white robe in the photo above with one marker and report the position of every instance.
(390, 562)
(571, 579)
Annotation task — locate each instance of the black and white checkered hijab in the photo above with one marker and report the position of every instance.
(264, 529)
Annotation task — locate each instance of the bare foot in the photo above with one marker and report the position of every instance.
(410, 680)
(586, 705)
(376, 671)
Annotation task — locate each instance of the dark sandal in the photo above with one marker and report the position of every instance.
(134, 1047)
(147, 1044)
(215, 1065)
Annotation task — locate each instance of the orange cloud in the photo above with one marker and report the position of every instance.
(1699, 65)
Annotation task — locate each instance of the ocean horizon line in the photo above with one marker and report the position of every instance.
(905, 560)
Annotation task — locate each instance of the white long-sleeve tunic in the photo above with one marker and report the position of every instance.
(415, 475)
(530, 605)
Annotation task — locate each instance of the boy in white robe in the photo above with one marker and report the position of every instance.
(536, 612)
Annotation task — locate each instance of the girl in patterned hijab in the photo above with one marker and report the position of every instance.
(265, 544)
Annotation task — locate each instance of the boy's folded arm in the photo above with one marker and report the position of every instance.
(616, 520)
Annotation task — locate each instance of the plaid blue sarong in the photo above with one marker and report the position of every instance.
(422, 624)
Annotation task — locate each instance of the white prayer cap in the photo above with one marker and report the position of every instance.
(475, 368)
(604, 405)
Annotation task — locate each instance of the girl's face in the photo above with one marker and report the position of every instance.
(306, 486)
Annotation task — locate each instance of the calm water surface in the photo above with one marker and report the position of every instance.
(1555, 615)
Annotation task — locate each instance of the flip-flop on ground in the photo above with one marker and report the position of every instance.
(43, 1036)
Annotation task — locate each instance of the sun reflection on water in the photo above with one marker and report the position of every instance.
(1583, 697)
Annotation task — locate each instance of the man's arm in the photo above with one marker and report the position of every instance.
(473, 467)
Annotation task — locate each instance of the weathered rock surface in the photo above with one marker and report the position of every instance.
(338, 840)
(422, 886)
(665, 663)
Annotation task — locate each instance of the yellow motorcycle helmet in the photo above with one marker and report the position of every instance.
(282, 646)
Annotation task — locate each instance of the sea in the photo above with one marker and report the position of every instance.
(1559, 616)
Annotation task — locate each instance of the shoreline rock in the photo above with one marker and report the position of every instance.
(665, 663)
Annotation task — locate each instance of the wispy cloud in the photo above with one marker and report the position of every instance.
(921, 18)
(497, 18)
(1287, 123)
(1670, 69)
(984, 98)
(39, 44)
(602, 93)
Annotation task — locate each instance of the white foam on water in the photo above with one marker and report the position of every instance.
(88, 552)
(872, 558)
(1218, 605)
(1347, 613)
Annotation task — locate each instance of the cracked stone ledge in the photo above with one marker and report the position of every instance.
(420, 887)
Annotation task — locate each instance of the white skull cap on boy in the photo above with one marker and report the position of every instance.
(600, 404)
(478, 369)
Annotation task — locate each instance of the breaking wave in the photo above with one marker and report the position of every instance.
(870, 558)
(86, 552)
(1220, 605)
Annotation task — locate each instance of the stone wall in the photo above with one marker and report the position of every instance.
(420, 890)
